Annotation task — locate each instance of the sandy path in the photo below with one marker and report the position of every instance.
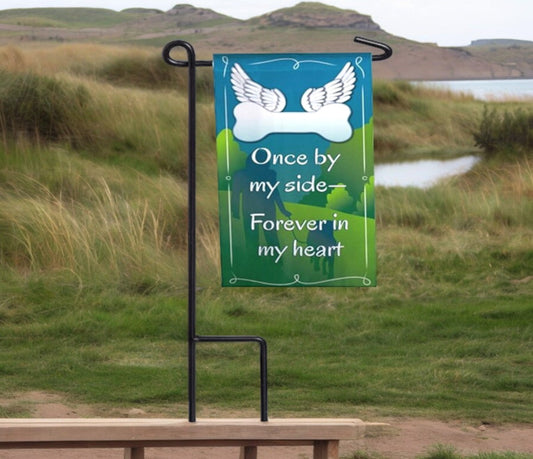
(405, 438)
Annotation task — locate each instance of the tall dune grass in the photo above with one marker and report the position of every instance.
(47, 59)
(133, 67)
(97, 223)
(415, 121)
(469, 234)
(507, 131)
(410, 121)
(484, 198)
(99, 187)
(43, 107)
(139, 126)
(110, 181)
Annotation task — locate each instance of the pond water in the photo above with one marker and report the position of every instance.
(421, 174)
(520, 89)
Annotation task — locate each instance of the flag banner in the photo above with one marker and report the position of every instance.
(294, 136)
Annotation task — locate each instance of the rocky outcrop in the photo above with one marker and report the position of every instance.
(317, 15)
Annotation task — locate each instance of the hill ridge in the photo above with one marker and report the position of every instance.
(305, 27)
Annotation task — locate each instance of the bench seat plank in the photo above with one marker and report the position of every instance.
(136, 434)
(170, 430)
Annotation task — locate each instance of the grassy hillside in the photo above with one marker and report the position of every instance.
(93, 258)
(69, 17)
(513, 53)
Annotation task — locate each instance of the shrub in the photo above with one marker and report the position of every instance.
(504, 132)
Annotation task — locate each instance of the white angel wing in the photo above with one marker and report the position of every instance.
(336, 91)
(247, 90)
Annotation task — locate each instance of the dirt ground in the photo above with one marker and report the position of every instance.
(401, 438)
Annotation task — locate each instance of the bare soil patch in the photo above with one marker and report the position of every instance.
(403, 438)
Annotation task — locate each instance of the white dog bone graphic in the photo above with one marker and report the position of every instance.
(253, 122)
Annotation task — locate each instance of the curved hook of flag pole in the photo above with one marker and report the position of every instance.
(167, 49)
(387, 52)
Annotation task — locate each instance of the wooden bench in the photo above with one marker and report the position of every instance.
(136, 434)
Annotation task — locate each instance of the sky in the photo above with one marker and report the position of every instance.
(445, 22)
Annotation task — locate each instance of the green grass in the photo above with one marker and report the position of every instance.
(449, 452)
(93, 282)
(466, 358)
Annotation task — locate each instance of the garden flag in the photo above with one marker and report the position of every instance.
(295, 169)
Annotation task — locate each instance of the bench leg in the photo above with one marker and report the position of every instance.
(248, 452)
(326, 449)
(134, 453)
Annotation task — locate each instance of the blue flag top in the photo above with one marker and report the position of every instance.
(295, 169)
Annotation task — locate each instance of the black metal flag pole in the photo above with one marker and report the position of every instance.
(193, 337)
